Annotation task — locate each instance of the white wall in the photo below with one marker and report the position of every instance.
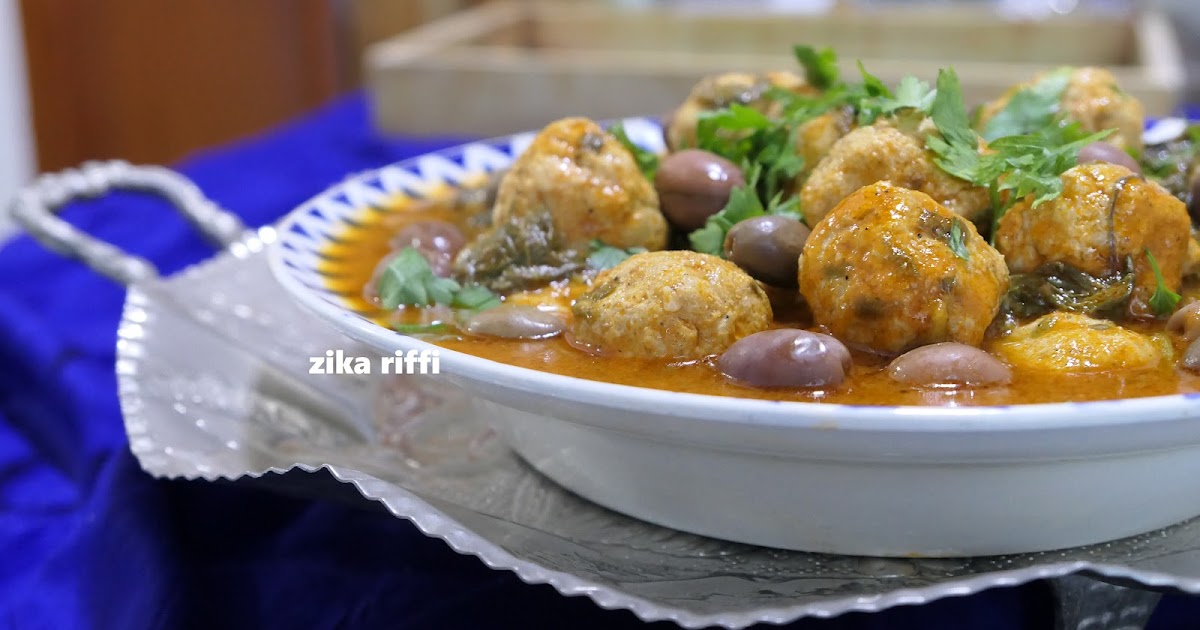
(17, 164)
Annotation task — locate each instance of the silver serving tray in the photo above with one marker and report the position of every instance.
(212, 368)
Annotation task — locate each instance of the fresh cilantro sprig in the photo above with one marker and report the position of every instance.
(1164, 300)
(606, 256)
(766, 154)
(911, 94)
(647, 161)
(820, 66)
(744, 203)
(409, 281)
(1021, 165)
(1032, 108)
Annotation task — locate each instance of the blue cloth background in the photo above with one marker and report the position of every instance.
(89, 541)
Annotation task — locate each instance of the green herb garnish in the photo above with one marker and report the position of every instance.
(409, 281)
(475, 297)
(606, 256)
(1031, 108)
(820, 66)
(647, 161)
(1024, 165)
(1164, 300)
(744, 203)
(956, 241)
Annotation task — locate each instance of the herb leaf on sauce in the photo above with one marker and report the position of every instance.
(475, 297)
(409, 281)
(647, 161)
(605, 256)
(1164, 300)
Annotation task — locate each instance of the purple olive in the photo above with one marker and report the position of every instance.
(693, 185)
(515, 321)
(1186, 321)
(1191, 356)
(1194, 204)
(949, 363)
(768, 248)
(786, 358)
(438, 242)
(1105, 152)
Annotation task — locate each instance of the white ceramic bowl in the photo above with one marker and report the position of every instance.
(888, 481)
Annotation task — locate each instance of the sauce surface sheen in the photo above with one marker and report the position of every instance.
(349, 262)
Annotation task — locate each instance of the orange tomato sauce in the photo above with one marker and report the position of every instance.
(349, 263)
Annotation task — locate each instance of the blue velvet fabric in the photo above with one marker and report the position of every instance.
(89, 541)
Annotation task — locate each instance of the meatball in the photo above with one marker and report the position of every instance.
(891, 269)
(893, 151)
(816, 137)
(1093, 98)
(1070, 342)
(1104, 215)
(673, 304)
(590, 184)
(723, 90)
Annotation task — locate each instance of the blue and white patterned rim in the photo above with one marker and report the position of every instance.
(303, 234)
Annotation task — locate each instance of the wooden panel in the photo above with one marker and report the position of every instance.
(509, 66)
(149, 81)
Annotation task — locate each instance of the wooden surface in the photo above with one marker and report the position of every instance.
(151, 80)
(510, 66)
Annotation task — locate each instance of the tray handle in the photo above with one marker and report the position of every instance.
(35, 209)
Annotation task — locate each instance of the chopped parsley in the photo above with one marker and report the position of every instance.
(647, 161)
(744, 203)
(409, 281)
(1164, 300)
(1022, 165)
(956, 241)
(475, 297)
(820, 66)
(606, 256)
(1031, 108)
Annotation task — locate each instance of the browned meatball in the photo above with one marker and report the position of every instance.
(890, 269)
(893, 151)
(673, 304)
(816, 138)
(1069, 342)
(1104, 214)
(1093, 98)
(590, 184)
(722, 90)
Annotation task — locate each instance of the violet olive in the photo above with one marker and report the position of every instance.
(515, 321)
(768, 248)
(1186, 321)
(693, 185)
(438, 242)
(1104, 152)
(1191, 356)
(786, 358)
(1194, 203)
(949, 363)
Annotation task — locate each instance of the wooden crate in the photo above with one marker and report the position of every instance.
(507, 66)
